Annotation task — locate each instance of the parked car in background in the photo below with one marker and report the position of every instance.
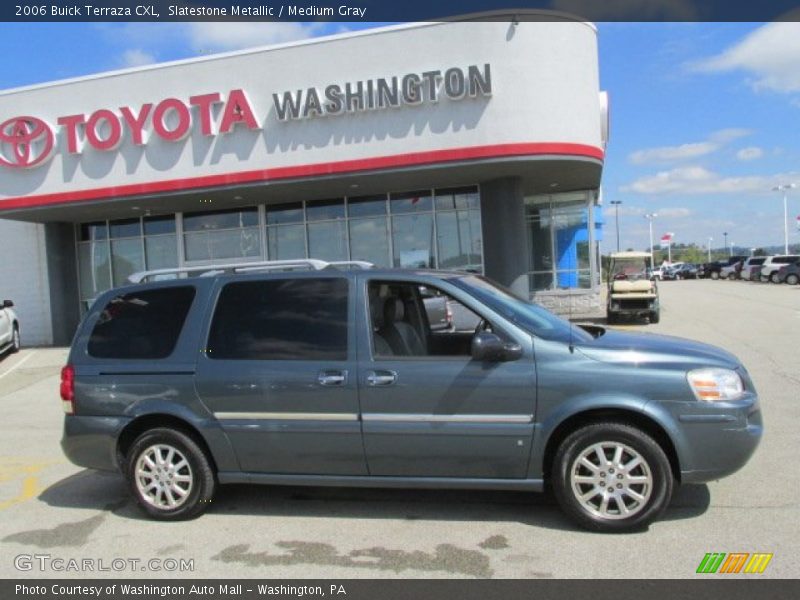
(731, 271)
(789, 274)
(750, 264)
(769, 270)
(9, 328)
(436, 309)
(461, 318)
(755, 272)
(681, 271)
(657, 273)
(712, 270)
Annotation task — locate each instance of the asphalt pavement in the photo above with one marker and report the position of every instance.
(53, 509)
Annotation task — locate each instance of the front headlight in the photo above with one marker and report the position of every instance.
(713, 385)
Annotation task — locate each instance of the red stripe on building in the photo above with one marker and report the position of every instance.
(330, 168)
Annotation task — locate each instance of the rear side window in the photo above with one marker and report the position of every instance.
(281, 319)
(141, 325)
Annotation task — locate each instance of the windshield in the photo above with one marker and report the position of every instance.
(524, 313)
(630, 269)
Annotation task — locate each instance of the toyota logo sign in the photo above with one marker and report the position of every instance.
(25, 142)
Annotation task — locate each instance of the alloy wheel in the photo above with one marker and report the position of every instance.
(611, 480)
(164, 477)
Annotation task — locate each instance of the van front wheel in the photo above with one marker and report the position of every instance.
(612, 477)
(170, 475)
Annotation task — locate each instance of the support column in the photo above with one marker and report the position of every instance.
(62, 275)
(505, 241)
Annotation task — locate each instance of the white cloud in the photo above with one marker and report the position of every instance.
(697, 180)
(750, 153)
(670, 154)
(216, 37)
(136, 58)
(769, 54)
(676, 212)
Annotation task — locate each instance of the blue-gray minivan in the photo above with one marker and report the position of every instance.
(313, 373)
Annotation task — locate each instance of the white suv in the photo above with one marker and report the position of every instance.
(9, 327)
(769, 270)
(753, 261)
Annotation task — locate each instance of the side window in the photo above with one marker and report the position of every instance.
(281, 319)
(408, 319)
(141, 325)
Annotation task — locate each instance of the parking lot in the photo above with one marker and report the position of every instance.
(50, 507)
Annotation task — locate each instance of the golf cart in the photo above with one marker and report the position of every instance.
(630, 291)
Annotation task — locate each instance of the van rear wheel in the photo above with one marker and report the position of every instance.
(170, 475)
(611, 477)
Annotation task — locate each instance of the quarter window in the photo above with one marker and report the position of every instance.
(281, 319)
(141, 325)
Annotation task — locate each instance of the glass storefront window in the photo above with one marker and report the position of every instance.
(366, 206)
(94, 269)
(159, 225)
(161, 251)
(457, 198)
(222, 235)
(91, 232)
(325, 210)
(285, 242)
(281, 214)
(410, 202)
(369, 241)
(558, 234)
(459, 240)
(126, 259)
(327, 240)
(125, 228)
(412, 237)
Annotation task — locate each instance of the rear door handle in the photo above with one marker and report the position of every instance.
(377, 378)
(332, 377)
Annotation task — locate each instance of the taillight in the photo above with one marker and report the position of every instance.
(68, 389)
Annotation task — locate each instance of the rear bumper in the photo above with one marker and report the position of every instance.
(91, 442)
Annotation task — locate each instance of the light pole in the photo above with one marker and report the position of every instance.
(650, 217)
(785, 188)
(730, 249)
(725, 235)
(616, 204)
(711, 239)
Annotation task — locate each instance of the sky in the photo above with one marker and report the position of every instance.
(705, 117)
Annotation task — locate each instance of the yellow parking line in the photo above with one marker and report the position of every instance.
(13, 470)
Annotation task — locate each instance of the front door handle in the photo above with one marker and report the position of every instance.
(381, 378)
(332, 377)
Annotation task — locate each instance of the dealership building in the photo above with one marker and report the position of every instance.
(471, 145)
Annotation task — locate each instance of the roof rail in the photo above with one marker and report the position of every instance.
(265, 265)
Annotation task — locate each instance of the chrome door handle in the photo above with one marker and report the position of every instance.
(381, 377)
(332, 377)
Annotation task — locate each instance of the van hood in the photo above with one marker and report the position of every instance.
(624, 347)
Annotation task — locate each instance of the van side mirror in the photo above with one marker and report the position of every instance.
(7, 304)
(489, 347)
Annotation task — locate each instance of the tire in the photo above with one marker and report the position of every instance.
(774, 278)
(714, 275)
(15, 339)
(792, 279)
(178, 449)
(655, 316)
(653, 487)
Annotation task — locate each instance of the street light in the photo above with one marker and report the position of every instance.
(616, 204)
(785, 188)
(650, 217)
(711, 239)
(725, 235)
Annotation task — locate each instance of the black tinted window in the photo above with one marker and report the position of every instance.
(281, 319)
(141, 325)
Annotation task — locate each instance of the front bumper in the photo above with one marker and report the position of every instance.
(91, 442)
(715, 439)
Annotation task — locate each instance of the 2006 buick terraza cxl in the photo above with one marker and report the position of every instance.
(313, 373)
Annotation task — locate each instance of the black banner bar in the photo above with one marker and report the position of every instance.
(398, 11)
(714, 586)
